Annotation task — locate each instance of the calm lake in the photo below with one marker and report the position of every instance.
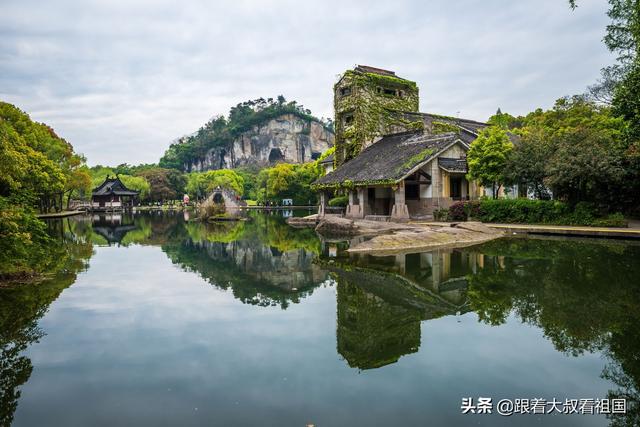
(153, 320)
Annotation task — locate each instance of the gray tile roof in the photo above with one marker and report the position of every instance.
(391, 158)
(113, 186)
(453, 165)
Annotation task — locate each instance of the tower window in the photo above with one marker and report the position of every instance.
(387, 92)
(345, 91)
(348, 119)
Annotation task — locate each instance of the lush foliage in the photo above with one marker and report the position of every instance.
(487, 158)
(576, 152)
(373, 112)
(221, 131)
(164, 184)
(38, 170)
(340, 201)
(201, 184)
(37, 167)
(24, 243)
(526, 211)
(288, 181)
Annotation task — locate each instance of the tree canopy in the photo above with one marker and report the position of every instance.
(201, 184)
(36, 165)
(487, 158)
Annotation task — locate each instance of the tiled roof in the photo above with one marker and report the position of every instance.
(113, 186)
(453, 165)
(391, 158)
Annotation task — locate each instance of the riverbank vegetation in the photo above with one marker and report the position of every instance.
(39, 172)
(583, 152)
(527, 211)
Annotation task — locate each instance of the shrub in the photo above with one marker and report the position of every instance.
(341, 201)
(457, 212)
(528, 211)
(522, 211)
(613, 220)
(441, 214)
(462, 211)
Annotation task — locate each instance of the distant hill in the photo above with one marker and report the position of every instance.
(259, 132)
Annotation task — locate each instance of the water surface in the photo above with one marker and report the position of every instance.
(158, 321)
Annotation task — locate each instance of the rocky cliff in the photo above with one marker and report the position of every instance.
(287, 138)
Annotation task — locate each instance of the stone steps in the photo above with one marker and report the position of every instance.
(381, 218)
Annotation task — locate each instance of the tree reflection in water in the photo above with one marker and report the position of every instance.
(584, 295)
(22, 306)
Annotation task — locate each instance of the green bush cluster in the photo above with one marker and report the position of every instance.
(340, 201)
(526, 211)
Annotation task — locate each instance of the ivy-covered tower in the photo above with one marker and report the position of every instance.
(368, 103)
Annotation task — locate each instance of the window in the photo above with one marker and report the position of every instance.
(345, 91)
(388, 92)
(412, 191)
(348, 120)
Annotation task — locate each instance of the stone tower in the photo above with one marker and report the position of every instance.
(368, 103)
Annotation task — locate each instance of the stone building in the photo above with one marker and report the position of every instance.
(392, 160)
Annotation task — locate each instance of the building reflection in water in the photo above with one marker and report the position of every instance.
(382, 300)
(113, 226)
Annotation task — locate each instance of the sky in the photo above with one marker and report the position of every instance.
(122, 79)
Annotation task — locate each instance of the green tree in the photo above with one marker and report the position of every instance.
(505, 120)
(488, 156)
(165, 184)
(577, 147)
(201, 184)
(288, 181)
(527, 164)
(39, 162)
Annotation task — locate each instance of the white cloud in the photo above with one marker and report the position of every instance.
(121, 79)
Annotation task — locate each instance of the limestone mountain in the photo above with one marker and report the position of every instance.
(256, 133)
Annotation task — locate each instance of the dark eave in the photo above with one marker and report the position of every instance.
(113, 186)
(453, 165)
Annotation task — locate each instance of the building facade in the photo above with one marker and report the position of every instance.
(392, 160)
(112, 194)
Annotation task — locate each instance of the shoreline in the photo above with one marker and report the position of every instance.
(552, 230)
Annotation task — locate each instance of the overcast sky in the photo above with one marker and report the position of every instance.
(121, 79)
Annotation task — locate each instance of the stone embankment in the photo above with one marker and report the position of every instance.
(388, 238)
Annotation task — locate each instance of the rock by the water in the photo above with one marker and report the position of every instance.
(337, 226)
(392, 238)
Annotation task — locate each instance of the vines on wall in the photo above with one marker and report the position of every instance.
(368, 105)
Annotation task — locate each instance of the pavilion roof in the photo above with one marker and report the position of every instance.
(113, 186)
